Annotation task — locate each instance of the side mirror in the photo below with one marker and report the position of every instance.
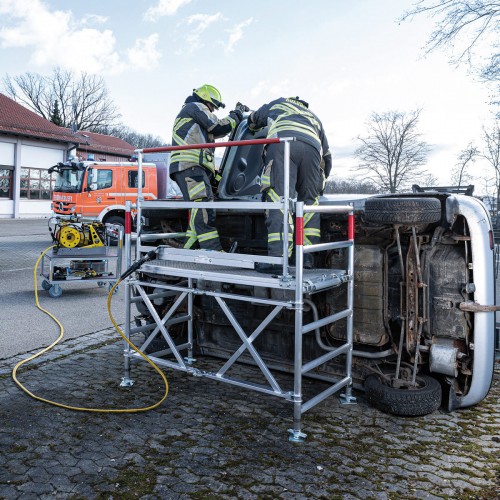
(91, 180)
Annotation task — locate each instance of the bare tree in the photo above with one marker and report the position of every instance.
(84, 101)
(427, 179)
(466, 23)
(460, 175)
(350, 186)
(129, 135)
(392, 154)
(492, 153)
(464, 26)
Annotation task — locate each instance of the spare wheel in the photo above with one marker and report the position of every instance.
(403, 210)
(422, 400)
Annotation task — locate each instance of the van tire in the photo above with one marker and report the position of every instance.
(403, 210)
(404, 402)
(115, 219)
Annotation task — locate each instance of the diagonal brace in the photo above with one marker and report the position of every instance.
(247, 343)
(161, 326)
(167, 316)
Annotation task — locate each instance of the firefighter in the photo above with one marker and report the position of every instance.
(310, 165)
(194, 169)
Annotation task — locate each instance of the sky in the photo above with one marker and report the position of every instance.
(347, 58)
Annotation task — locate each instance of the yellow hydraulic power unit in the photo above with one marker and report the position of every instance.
(72, 234)
(82, 250)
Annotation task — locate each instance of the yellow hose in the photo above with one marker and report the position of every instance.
(61, 335)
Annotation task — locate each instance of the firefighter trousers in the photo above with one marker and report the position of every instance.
(194, 184)
(306, 183)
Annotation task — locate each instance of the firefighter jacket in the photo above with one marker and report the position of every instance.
(196, 124)
(292, 118)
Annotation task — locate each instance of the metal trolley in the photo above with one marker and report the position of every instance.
(197, 267)
(101, 265)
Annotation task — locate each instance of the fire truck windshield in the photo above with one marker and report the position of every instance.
(69, 180)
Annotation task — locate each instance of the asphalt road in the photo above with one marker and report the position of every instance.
(81, 308)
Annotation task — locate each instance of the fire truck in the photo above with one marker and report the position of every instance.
(99, 190)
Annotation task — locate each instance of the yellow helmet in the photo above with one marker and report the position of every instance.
(210, 94)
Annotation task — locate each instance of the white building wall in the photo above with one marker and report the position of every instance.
(40, 156)
(29, 153)
(7, 153)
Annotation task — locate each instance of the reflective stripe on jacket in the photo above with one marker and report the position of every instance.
(290, 118)
(196, 124)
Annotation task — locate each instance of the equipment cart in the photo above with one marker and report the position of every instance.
(98, 264)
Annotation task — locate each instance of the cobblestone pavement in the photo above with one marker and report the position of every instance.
(210, 440)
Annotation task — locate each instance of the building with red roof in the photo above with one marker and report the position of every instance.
(30, 145)
(102, 147)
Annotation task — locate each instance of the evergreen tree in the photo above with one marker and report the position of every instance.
(55, 116)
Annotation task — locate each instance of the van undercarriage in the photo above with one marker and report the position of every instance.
(412, 270)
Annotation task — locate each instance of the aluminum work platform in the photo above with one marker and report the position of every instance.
(313, 280)
(182, 276)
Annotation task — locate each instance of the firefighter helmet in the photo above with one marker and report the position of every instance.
(210, 94)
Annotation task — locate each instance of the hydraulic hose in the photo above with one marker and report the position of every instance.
(135, 266)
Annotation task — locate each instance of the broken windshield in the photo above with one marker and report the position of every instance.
(69, 180)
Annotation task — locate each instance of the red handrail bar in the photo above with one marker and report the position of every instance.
(249, 142)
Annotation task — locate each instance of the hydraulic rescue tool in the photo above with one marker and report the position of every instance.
(72, 233)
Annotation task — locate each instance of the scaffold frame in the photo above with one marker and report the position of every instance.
(197, 267)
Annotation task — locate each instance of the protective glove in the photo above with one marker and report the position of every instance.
(236, 115)
(242, 107)
(323, 183)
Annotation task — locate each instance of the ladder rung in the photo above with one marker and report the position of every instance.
(326, 357)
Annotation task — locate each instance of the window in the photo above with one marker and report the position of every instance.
(36, 184)
(5, 183)
(132, 179)
(104, 179)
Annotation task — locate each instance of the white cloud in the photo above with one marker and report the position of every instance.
(201, 23)
(236, 33)
(94, 19)
(56, 38)
(164, 8)
(144, 54)
(267, 90)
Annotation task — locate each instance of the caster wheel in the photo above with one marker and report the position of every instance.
(101, 284)
(55, 291)
(46, 285)
(110, 286)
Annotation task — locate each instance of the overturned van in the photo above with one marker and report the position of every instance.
(423, 328)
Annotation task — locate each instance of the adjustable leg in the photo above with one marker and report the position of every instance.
(126, 380)
(296, 435)
(189, 358)
(347, 398)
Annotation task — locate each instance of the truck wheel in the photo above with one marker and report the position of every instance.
(119, 221)
(403, 210)
(405, 402)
